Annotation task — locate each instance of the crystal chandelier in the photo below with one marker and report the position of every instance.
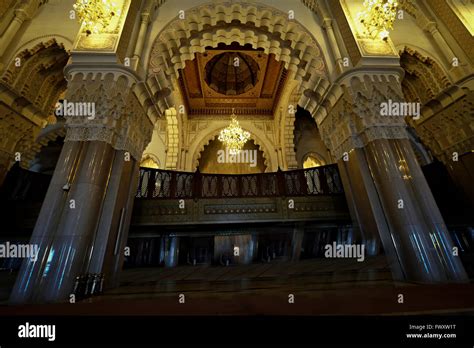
(96, 15)
(378, 17)
(234, 137)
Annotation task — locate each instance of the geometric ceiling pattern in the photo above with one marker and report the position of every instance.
(232, 77)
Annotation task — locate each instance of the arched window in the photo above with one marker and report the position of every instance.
(312, 160)
(149, 161)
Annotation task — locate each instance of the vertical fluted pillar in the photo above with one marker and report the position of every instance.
(84, 221)
(417, 230)
(297, 241)
(145, 19)
(73, 243)
(45, 229)
(12, 29)
(384, 184)
(445, 49)
(361, 196)
(112, 233)
(327, 24)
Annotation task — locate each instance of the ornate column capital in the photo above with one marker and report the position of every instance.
(327, 23)
(21, 15)
(357, 115)
(104, 105)
(431, 27)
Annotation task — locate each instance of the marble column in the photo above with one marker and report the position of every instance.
(31, 272)
(297, 241)
(171, 251)
(112, 233)
(384, 184)
(72, 246)
(362, 200)
(84, 221)
(417, 229)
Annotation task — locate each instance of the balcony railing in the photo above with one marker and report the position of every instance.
(166, 184)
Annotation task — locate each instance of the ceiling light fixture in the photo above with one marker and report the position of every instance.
(96, 15)
(378, 17)
(233, 136)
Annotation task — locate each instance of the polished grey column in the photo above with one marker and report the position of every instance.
(171, 251)
(73, 244)
(112, 234)
(30, 274)
(362, 199)
(297, 241)
(419, 236)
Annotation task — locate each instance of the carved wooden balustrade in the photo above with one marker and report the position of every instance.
(165, 184)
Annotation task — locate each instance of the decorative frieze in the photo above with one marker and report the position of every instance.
(204, 211)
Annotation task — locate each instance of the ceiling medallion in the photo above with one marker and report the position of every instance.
(231, 73)
(233, 136)
(96, 15)
(378, 17)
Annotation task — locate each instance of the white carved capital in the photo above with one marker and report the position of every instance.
(119, 118)
(355, 119)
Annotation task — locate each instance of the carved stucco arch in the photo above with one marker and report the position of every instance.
(37, 83)
(260, 26)
(62, 40)
(427, 69)
(315, 155)
(153, 157)
(26, 81)
(198, 147)
(446, 124)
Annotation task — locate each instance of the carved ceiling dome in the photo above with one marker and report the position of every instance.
(232, 73)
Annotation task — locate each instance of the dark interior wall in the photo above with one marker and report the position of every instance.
(451, 199)
(462, 173)
(307, 139)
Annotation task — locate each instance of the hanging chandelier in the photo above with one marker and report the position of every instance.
(378, 17)
(233, 136)
(96, 15)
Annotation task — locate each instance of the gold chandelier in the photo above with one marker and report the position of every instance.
(378, 17)
(96, 15)
(233, 136)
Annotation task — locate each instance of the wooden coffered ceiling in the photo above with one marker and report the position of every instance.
(203, 101)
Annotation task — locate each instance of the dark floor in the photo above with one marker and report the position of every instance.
(319, 286)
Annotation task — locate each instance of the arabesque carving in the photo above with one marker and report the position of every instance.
(354, 120)
(119, 120)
